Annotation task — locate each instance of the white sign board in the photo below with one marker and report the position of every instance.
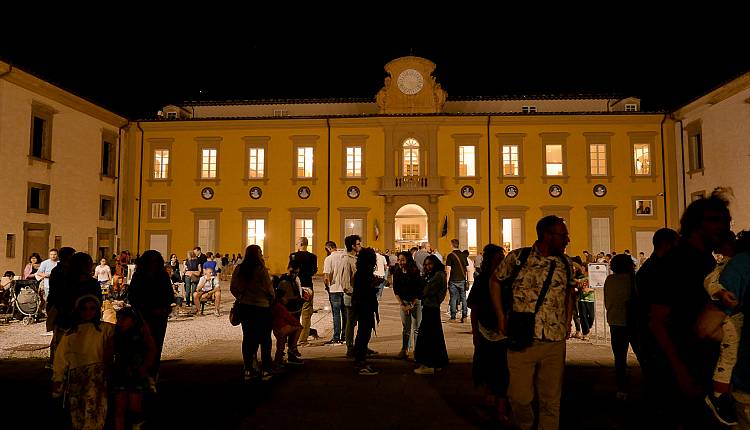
(598, 273)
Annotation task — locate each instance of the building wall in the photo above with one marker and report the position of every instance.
(378, 202)
(73, 175)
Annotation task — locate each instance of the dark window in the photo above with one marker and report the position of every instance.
(10, 246)
(37, 138)
(108, 159)
(696, 152)
(38, 201)
(105, 208)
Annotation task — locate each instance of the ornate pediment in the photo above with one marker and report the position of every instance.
(410, 87)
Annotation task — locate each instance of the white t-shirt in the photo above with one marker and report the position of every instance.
(330, 264)
(103, 273)
(206, 285)
(380, 265)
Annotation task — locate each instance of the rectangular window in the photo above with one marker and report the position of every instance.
(38, 137)
(256, 232)
(207, 234)
(208, 163)
(528, 109)
(303, 227)
(600, 235)
(10, 246)
(159, 242)
(410, 232)
(696, 152)
(598, 156)
(161, 164)
(642, 158)
(171, 115)
(510, 160)
(257, 163)
(511, 233)
(467, 235)
(159, 211)
(108, 158)
(631, 107)
(106, 208)
(467, 161)
(280, 112)
(354, 162)
(644, 208)
(38, 198)
(305, 162)
(354, 226)
(554, 160)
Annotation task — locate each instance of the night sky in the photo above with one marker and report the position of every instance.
(136, 70)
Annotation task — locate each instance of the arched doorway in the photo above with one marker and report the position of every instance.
(410, 227)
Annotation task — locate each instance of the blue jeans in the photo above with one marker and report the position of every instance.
(339, 315)
(457, 290)
(412, 319)
(380, 289)
(190, 288)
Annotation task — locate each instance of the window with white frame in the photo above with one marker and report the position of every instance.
(353, 161)
(410, 232)
(600, 240)
(695, 151)
(208, 163)
(642, 158)
(467, 235)
(159, 210)
(411, 157)
(598, 159)
(161, 164)
(303, 227)
(631, 107)
(554, 160)
(511, 233)
(467, 160)
(528, 109)
(510, 160)
(255, 232)
(353, 226)
(207, 233)
(305, 162)
(257, 157)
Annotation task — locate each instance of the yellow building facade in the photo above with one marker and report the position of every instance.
(412, 166)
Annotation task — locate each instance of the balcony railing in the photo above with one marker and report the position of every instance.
(411, 185)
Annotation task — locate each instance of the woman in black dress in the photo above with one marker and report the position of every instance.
(430, 352)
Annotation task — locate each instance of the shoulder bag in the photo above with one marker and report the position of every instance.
(521, 324)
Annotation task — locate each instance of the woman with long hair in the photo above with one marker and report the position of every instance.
(489, 367)
(251, 286)
(174, 263)
(430, 352)
(408, 287)
(34, 261)
(365, 305)
(151, 294)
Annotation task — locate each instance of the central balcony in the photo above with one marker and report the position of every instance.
(411, 185)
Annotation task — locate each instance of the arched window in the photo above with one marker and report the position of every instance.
(411, 157)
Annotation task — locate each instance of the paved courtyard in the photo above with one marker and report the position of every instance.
(202, 385)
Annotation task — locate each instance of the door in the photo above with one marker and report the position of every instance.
(35, 239)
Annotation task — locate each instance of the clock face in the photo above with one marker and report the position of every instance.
(303, 192)
(467, 191)
(207, 193)
(410, 82)
(511, 191)
(600, 190)
(555, 190)
(255, 193)
(352, 192)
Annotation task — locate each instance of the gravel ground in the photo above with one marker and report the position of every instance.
(184, 333)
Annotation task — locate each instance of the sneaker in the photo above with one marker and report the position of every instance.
(368, 371)
(424, 370)
(266, 376)
(621, 395)
(371, 352)
(248, 375)
(294, 360)
(722, 408)
(402, 354)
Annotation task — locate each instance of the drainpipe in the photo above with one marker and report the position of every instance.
(663, 169)
(682, 156)
(140, 194)
(328, 191)
(489, 183)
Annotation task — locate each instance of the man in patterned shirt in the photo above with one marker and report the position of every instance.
(546, 356)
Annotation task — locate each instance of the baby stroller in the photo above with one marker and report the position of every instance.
(26, 301)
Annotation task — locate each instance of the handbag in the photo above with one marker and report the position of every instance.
(194, 277)
(521, 324)
(234, 314)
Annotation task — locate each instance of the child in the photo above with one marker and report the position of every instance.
(79, 365)
(285, 326)
(720, 402)
(134, 353)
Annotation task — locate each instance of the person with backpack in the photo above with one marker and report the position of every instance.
(533, 296)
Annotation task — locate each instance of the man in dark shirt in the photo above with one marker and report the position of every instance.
(457, 280)
(308, 266)
(201, 258)
(683, 364)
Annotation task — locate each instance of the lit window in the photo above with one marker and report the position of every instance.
(411, 157)
(159, 211)
(467, 235)
(207, 233)
(305, 162)
(511, 233)
(510, 160)
(598, 154)
(208, 163)
(631, 107)
(353, 162)
(161, 164)
(257, 163)
(353, 226)
(642, 158)
(256, 232)
(467, 161)
(554, 160)
(528, 109)
(410, 232)
(303, 227)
